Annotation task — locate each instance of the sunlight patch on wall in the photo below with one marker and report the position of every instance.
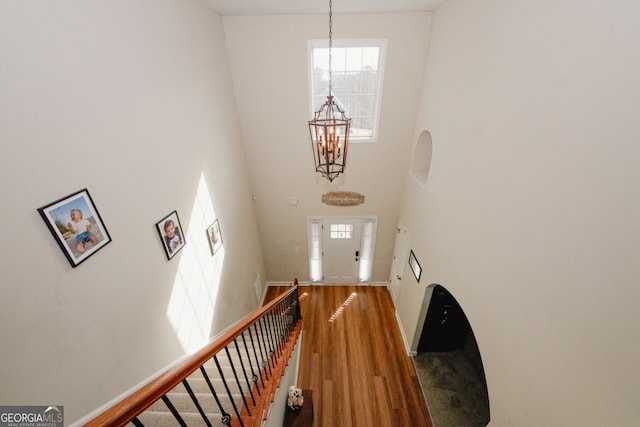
(195, 288)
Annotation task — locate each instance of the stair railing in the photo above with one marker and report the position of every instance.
(256, 347)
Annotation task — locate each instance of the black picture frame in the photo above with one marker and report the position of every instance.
(76, 226)
(173, 240)
(415, 266)
(214, 236)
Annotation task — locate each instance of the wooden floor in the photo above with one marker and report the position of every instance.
(354, 360)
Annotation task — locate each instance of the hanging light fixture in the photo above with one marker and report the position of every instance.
(330, 129)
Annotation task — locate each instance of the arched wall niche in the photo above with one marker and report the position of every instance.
(421, 161)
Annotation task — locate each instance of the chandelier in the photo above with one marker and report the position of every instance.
(329, 129)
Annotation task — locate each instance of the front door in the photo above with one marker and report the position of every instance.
(341, 250)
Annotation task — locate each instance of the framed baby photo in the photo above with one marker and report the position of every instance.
(214, 237)
(171, 234)
(76, 226)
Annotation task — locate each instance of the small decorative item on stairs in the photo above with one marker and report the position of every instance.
(296, 400)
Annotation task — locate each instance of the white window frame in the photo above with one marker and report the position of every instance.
(368, 245)
(341, 43)
(314, 231)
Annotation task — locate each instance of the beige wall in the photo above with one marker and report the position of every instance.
(133, 100)
(268, 56)
(531, 213)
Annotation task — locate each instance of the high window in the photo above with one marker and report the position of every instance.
(357, 69)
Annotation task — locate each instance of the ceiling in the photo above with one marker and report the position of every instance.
(294, 7)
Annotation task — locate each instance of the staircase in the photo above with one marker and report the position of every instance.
(253, 406)
(231, 382)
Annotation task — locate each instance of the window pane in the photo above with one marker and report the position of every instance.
(315, 249)
(366, 256)
(338, 58)
(321, 59)
(354, 59)
(341, 231)
(356, 81)
(370, 57)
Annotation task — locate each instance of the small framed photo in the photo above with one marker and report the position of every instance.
(76, 225)
(415, 266)
(171, 234)
(214, 237)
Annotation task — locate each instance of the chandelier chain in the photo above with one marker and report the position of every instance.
(330, 42)
(330, 127)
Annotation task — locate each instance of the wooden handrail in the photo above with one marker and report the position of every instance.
(128, 408)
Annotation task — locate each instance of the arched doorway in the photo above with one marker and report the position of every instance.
(449, 365)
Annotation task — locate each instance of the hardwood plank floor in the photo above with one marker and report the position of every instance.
(354, 360)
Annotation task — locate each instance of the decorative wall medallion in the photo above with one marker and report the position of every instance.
(343, 198)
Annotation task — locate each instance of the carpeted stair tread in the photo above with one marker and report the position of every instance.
(166, 419)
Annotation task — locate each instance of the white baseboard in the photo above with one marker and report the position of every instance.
(380, 283)
(407, 347)
(278, 283)
(289, 283)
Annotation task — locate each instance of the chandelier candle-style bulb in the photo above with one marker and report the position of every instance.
(329, 131)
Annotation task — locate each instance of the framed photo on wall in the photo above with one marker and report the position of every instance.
(415, 266)
(171, 234)
(76, 226)
(214, 237)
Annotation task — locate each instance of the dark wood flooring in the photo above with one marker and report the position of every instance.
(354, 360)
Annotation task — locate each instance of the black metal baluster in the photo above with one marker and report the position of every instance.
(195, 401)
(265, 342)
(287, 316)
(226, 387)
(281, 325)
(262, 365)
(226, 417)
(280, 320)
(136, 422)
(244, 372)
(235, 375)
(262, 362)
(272, 346)
(290, 314)
(254, 376)
(173, 410)
(295, 308)
(268, 318)
(275, 317)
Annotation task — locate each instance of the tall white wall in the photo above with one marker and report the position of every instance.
(132, 100)
(531, 215)
(268, 56)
